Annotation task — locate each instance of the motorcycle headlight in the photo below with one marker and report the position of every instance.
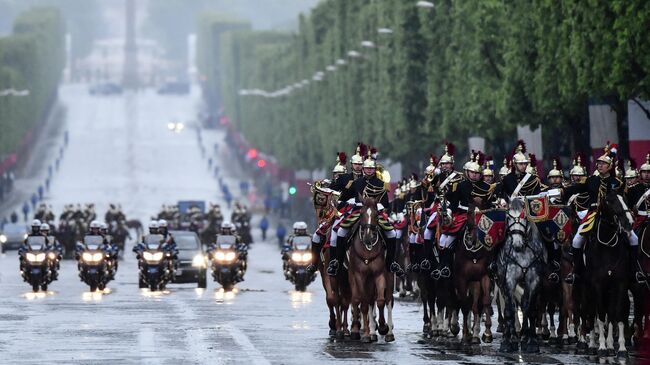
(51, 255)
(156, 256)
(198, 261)
(219, 255)
(306, 257)
(39, 257)
(3, 238)
(92, 257)
(25, 236)
(230, 256)
(296, 256)
(98, 256)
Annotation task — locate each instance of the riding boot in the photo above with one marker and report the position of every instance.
(553, 266)
(391, 264)
(315, 256)
(336, 259)
(578, 265)
(415, 254)
(637, 273)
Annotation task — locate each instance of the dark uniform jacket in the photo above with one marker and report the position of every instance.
(462, 194)
(597, 187)
(510, 182)
(359, 186)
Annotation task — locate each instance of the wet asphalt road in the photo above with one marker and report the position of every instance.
(121, 151)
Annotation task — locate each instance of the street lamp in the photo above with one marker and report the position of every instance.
(331, 68)
(368, 44)
(385, 31)
(341, 62)
(425, 4)
(354, 54)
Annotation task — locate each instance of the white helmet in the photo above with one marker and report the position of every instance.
(300, 225)
(95, 224)
(162, 223)
(36, 223)
(45, 227)
(153, 224)
(226, 225)
(103, 226)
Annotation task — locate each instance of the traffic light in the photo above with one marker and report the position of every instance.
(261, 164)
(292, 190)
(252, 153)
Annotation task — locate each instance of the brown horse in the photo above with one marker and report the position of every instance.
(472, 284)
(337, 294)
(367, 272)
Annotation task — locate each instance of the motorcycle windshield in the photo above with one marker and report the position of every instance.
(153, 241)
(93, 242)
(36, 243)
(226, 242)
(302, 242)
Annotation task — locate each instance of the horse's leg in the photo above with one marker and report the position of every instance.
(500, 305)
(356, 309)
(366, 322)
(602, 345)
(372, 312)
(509, 313)
(380, 285)
(424, 297)
(390, 337)
(486, 305)
(476, 312)
(610, 337)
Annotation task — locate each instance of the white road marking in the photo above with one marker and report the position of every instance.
(245, 343)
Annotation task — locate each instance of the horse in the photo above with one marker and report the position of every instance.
(337, 296)
(521, 262)
(137, 225)
(472, 282)
(641, 291)
(607, 272)
(367, 271)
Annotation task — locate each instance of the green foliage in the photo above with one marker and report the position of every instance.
(31, 58)
(461, 69)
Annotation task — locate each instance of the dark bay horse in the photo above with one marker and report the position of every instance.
(521, 263)
(641, 291)
(607, 272)
(472, 282)
(367, 271)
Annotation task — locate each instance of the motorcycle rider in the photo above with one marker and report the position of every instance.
(114, 250)
(169, 247)
(228, 229)
(299, 229)
(36, 231)
(54, 254)
(140, 247)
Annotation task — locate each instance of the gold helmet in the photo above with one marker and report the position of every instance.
(475, 163)
(448, 157)
(618, 168)
(556, 171)
(631, 171)
(341, 161)
(646, 165)
(578, 169)
(360, 154)
(532, 166)
(507, 166)
(519, 154)
(369, 163)
(489, 167)
(609, 154)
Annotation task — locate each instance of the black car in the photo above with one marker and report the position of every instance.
(175, 87)
(192, 261)
(12, 236)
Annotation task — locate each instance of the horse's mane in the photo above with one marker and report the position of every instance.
(369, 203)
(517, 205)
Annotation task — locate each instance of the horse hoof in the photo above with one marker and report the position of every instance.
(365, 339)
(581, 345)
(487, 338)
(531, 348)
(426, 329)
(546, 336)
(573, 340)
(332, 333)
(340, 335)
(602, 353)
(594, 351)
(611, 352)
(500, 328)
(475, 341)
(383, 330)
(389, 337)
(622, 355)
(374, 338)
(355, 336)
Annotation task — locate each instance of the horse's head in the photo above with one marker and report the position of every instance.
(614, 209)
(518, 225)
(369, 221)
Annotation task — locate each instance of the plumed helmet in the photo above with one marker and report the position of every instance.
(646, 165)
(578, 169)
(369, 163)
(489, 166)
(532, 167)
(609, 153)
(475, 163)
(360, 154)
(507, 166)
(556, 171)
(631, 171)
(341, 161)
(519, 153)
(448, 156)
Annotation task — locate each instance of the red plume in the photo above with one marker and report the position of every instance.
(522, 144)
(632, 163)
(343, 158)
(451, 149)
(558, 163)
(533, 160)
(373, 152)
(363, 150)
(481, 158)
(434, 159)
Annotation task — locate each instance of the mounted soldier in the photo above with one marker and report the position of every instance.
(521, 181)
(638, 196)
(597, 186)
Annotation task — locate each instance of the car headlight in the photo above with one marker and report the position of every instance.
(39, 257)
(156, 256)
(3, 238)
(198, 261)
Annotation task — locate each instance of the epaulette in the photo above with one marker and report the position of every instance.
(349, 184)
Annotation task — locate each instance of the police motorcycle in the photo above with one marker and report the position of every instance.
(94, 262)
(228, 258)
(299, 257)
(156, 263)
(36, 258)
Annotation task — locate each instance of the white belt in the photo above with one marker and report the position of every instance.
(460, 206)
(644, 214)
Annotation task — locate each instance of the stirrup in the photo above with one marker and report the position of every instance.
(640, 277)
(435, 274)
(445, 272)
(570, 278)
(413, 268)
(311, 268)
(333, 267)
(396, 269)
(553, 278)
(425, 265)
(555, 266)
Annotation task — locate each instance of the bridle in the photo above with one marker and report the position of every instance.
(368, 229)
(516, 231)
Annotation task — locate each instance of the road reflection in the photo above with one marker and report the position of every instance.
(95, 296)
(225, 296)
(300, 299)
(38, 295)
